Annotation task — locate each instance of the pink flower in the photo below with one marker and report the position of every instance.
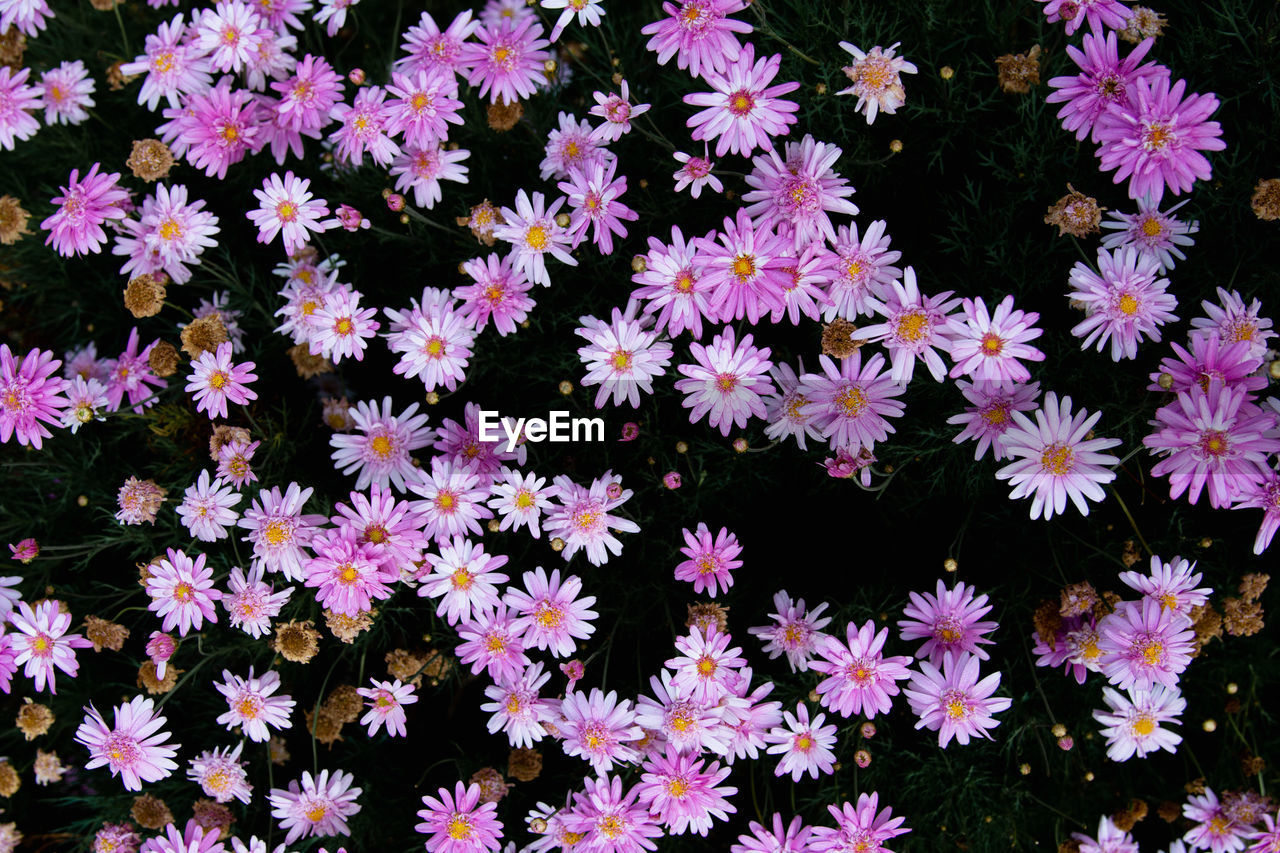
(916, 327)
(215, 380)
(422, 170)
(340, 328)
(1234, 321)
(278, 529)
(379, 451)
(174, 66)
(990, 347)
(672, 285)
(876, 78)
(1104, 80)
(1155, 140)
(386, 524)
(169, 235)
(333, 14)
(550, 614)
(1054, 460)
(492, 641)
(805, 746)
(698, 33)
(1263, 495)
(206, 508)
(1124, 301)
(849, 402)
(583, 518)
(221, 775)
(18, 101)
(743, 112)
(132, 748)
(287, 206)
(386, 705)
(860, 679)
(1215, 829)
(219, 127)
(1143, 643)
(862, 271)
(671, 480)
(251, 602)
(794, 838)
(1112, 13)
(507, 59)
(30, 393)
(131, 374)
(796, 631)
(572, 147)
(453, 501)
(500, 294)
(1151, 232)
(460, 823)
(617, 112)
(66, 92)
(593, 194)
(711, 559)
(76, 227)
(744, 271)
(160, 648)
(706, 667)
(858, 828)
(27, 16)
(25, 551)
(1215, 437)
(319, 807)
(728, 381)
(348, 576)
(182, 592)
(435, 51)
(695, 173)
(681, 794)
(464, 578)
(252, 706)
(991, 413)
(42, 643)
(233, 463)
(599, 728)
(1171, 584)
(229, 34)
(954, 702)
(366, 126)
(532, 231)
(799, 189)
(948, 622)
(307, 97)
(622, 358)
(1131, 724)
(685, 725)
(517, 709)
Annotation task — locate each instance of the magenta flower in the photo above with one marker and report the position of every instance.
(460, 823)
(672, 285)
(520, 500)
(347, 576)
(599, 728)
(860, 679)
(799, 189)
(795, 631)
(206, 508)
(1216, 438)
(728, 381)
(682, 795)
(252, 705)
(435, 51)
(500, 294)
(453, 501)
(617, 111)
(18, 100)
(711, 559)
(915, 328)
(1152, 232)
(464, 578)
(387, 524)
(622, 358)
(30, 393)
(130, 374)
(422, 107)
(785, 410)
(278, 529)
(319, 807)
(744, 271)
(532, 231)
(584, 519)
(234, 461)
(805, 746)
(1104, 80)
(221, 775)
(862, 271)
(379, 449)
(593, 194)
(1234, 321)
(991, 413)
(603, 818)
(948, 622)
(506, 60)
(1215, 830)
(1124, 301)
(1172, 584)
(954, 702)
(572, 147)
(1263, 495)
(170, 234)
(990, 347)
(66, 93)
(517, 709)
(859, 828)
(685, 725)
(1157, 141)
(706, 667)
(1111, 839)
(422, 170)
(182, 592)
(849, 402)
(493, 641)
(174, 66)
(434, 342)
(1143, 643)
(1054, 460)
(307, 97)
(743, 112)
(698, 33)
(386, 705)
(366, 124)
(793, 838)
(76, 227)
(286, 206)
(219, 127)
(695, 173)
(876, 78)
(251, 603)
(1131, 724)
(40, 640)
(133, 748)
(215, 380)
(1112, 13)
(229, 34)
(24, 552)
(340, 328)
(550, 614)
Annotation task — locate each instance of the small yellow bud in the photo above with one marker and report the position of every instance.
(1059, 730)
(557, 544)
(1209, 725)
(1165, 381)
(895, 146)
(1233, 688)
(946, 72)
(950, 564)
(562, 219)
(682, 447)
(566, 387)
(639, 264)
(404, 219)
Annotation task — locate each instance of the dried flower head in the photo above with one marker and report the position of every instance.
(1266, 199)
(157, 686)
(325, 727)
(492, 786)
(1077, 599)
(503, 116)
(34, 719)
(212, 815)
(705, 616)
(347, 628)
(1241, 618)
(1207, 624)
(344, 704)
(336, 414)
(224, 435)
(139, 501)
(277, 750)
(407, 666)
(438, 665)
(144, 296)
(297, 641)
(10, 781)
(204, 333)
(838, 340)
(1253, 585)
(150, 159)
(104, 5)
(150, 812)
(1048, 621)
(483, 219)
(163, 359)
(1252, 765)
(1019, 71)
(1143, 24)
(13, 44)
(524, 765)
(307, 364)
(104, 634)
(48, 767)
(1076, 214)
(1130, 815)
(13, 220)
(1130, 556)
(1169, 811)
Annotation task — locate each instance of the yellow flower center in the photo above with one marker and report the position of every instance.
(536, 238)
(1057, 459)
(286, 211)
(744, 266)
(1144, 726)
(851, 402)
(381, 446)
(170, 230)
(1128, 304)
(912, 327)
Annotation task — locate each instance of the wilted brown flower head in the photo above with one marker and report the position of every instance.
(140, 500)
(1253, 585)
(1047, 620)
(297, 641)
(306, 364)
(492, 786)
(325, 726)
(150, 159)
(524, 765)
(1241, 618)
(224, 435)
(150, 812)
(1266, 199)
(163, 359)
(1077, 599)
(209, 814)
(203, 334)
(1019, 71)
(1143, 23)
(1127, 818)
(838, 340)
(13, 220)
(347, 628)
(13, 44)
(144, 296)
(157, 686)
(337, 414)
(104, 634)
(484, 217)
(344, 703)
(503, 116)
(407, 666)
(707, 615)
(277, 750)
(48, 767)
(10, 781)
(1076, 214)
(34, 719)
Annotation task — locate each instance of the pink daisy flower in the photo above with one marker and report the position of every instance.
(948, 622)
(990, 347)
(131, 374)
(604, 818)
(160, 648)
(1234, 321)
(1155, 140)
(1054, 460)
(672, 287)
(520, 500)
(799, 189)
(31, 393)
(550, 614)
(1131, 724)
(1172, 584)
(1151, 232)
(685, 725)
(805, 746)
(279, 530)
(517, 709)
(422, 107)
(76, 227)
(1216, 438)
(1263, 495)
(532, 231)
(743, 271)
(695, 173)
(251, 602)
(750, 718)
(593, 194)
(174, 66)
(234, 463)
(215, 380)
(66, 93)
(682, 795)
(1210, 360)
(743, 112)
(252, 705)
(386, 524)
(1098, 13)
(991, 413)
(133, 748)
(422, 170)
(795, 631)
(41, 642)
(366, 123)
(617, 111)
(286, 206)
(453, 501)
(572, 147)
(347, 576)
(506, 60)
(954, 702)
(437, 51)
(849, 402)
(1103, 80)
(18, 102)
(588, 12)
(182, 592)
(785, 410)
(228, 35)
(583, 517)
(379, 450)
(1267, 839)
(434, 342)
(1215, 829)
(319, 807)
(333, 14)
(1124, 301)
(462, 444)
(1142, 643)
(698, 33)
(706, 667)
(492, 641)
(711, 559)
(622, 358)
(599, 728)
(27, 16)
(1111, 839)
(860, 828)
(862, 271)
(860, 679)
(220, 127)
(914, 326)
(221, 775)
(500, 294)
(386, 706)
(728, 381)
(793, 838)
(460, 823)
(464, 578)
(340, 327)
(170, 234)
(876, 78)
(206, 508)
(308, 95)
